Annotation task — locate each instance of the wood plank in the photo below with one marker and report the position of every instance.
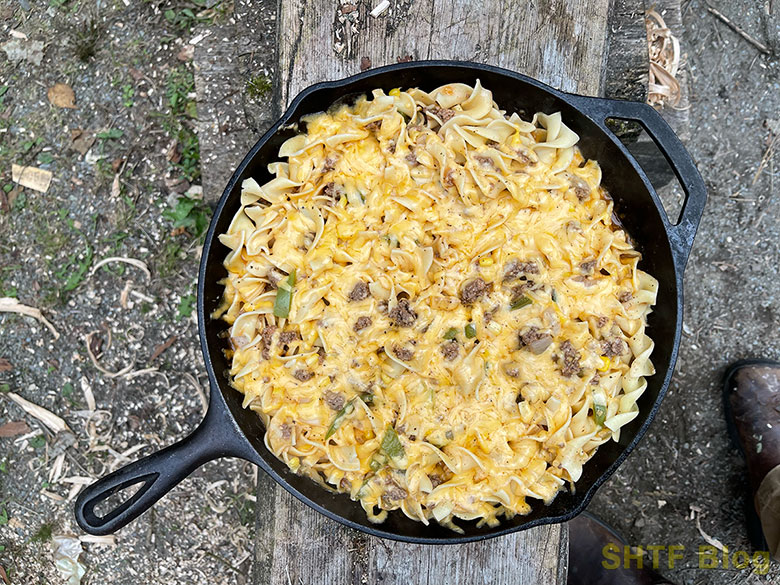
(560, 43)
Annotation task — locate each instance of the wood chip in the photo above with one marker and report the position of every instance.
(664, 54)
(5, 365)
(51, 420)
(380, 8)
(88, 395)
(31, 177)
(160, 349)
(132, 261)
(108, 539)
(11, 305)
(62, 96)
(14, 428)
(116, 188)
(81, 141)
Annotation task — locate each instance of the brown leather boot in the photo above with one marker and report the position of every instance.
(588, 565)
(751, 401)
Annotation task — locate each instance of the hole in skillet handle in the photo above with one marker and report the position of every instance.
(116, 500)
(682, 232)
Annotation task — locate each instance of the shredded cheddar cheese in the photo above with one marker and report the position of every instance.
(431, 308)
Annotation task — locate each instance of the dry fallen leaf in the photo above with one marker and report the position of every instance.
(82, 141)
(186, 53)
(5, 365)
(4, 576)
(31, 177)
(51, 420)
(14, 428)
(116, 188)
(62, 96)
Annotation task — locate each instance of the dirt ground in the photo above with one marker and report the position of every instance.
(126, 175)
(685, 474)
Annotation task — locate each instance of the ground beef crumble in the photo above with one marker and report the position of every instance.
(473, 291)
(303, 375)
(359, 292)
(334, 400)
(571, 360)
(362, 323)
(515, 268)
(402, 314)
(450, 350)
(403, 353)
(613, 347)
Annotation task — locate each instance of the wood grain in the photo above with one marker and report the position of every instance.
(560, 42)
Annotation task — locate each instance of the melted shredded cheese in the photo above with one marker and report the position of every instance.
(466, 324)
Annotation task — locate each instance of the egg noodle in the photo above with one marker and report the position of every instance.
(432, 308)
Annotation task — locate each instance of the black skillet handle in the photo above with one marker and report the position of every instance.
(682, 232)
(157, 473)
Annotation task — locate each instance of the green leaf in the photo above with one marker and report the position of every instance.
(520, 303)
(471, 331)
(340, 416)
(3, 517)
(391, 444)
(45, 158)
(38, 442)
(170, 15)
(67, 390)
(284, 296)
(5, 388)
(82, 267)
(3, 467)
(110, 134)
(3, 89)
(186, 306)
(451, 333)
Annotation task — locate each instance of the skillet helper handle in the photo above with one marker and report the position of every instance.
(157, 474)
(682, 232)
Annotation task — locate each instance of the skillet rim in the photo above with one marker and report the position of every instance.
(577, 103)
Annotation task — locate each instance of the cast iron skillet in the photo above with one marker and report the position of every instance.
(229, 430)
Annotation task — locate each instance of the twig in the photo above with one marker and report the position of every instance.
(757, 44)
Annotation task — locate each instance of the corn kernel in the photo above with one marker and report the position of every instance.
(486, 261)
(395, 92)
(605, 364)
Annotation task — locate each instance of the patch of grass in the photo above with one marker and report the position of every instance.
(44, 533)
(5, 388)
(190, 214)
(128, 93)
(168, 258)
(258, 87)
(189, 164)
(45, 158)
(186, 306)
(84, 38)
(179, 85)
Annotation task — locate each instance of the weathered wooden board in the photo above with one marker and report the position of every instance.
(562, 42)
